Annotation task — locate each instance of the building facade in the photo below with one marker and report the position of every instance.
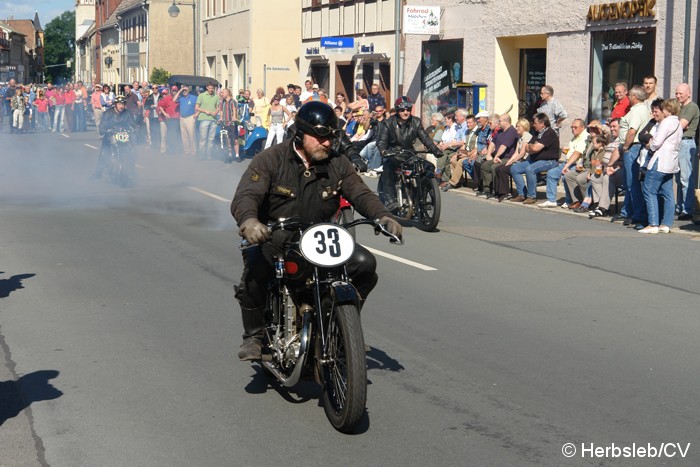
(33, 53)
(348, 45)
(581, 49)
(12, 56)
(85, 34)
(251, 43)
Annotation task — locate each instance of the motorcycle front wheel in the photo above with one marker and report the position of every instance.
(115, 166)
(345, 370)
(428, 206)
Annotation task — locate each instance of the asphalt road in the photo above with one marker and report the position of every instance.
(513, 332)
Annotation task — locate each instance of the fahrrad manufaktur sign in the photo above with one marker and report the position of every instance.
(622, 10)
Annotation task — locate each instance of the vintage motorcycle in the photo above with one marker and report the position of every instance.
(122, 163)
(417, 190)
(312, 317)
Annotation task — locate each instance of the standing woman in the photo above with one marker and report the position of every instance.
(107, 98)
(59, 109)
(146, 109)
(290, 105)
(261, 109)
(228, 116)
(276, 116)
(661, 167)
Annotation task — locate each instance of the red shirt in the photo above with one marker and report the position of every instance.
(60, 98)
(42, 105)
(69, 97)
(169, 106)
(621, 108)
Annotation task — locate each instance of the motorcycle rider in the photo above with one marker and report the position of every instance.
(399, 131)
(115, 117)
(303, 177)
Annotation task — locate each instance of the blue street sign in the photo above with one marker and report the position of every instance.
(338, 42)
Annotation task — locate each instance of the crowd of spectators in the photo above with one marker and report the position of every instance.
(646, 144)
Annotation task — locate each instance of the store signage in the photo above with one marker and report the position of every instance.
(312, 51)
(421, 20)
(277, 68)
(622, 10)
(367, 49)
(338, 42)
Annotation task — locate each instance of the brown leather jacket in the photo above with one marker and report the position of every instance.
(277, 185)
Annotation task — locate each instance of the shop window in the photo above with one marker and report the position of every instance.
(618, 56)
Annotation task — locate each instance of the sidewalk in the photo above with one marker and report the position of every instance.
(687, 228)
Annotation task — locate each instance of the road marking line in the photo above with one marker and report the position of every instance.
(90, 146)
(211, 195)
(401, 260)
(64, 135)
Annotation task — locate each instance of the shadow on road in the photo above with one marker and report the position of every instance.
(377, 359)
(16, 396)
(7, 286)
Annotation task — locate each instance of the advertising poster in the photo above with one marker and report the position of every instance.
(421, 20)
(441, 68)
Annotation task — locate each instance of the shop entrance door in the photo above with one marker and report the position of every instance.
(385, 82)
(533, 75)
(344, 80)
(319, 75)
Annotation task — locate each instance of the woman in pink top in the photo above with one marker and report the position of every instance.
(59, 110)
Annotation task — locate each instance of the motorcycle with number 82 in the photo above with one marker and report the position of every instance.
(312, 317)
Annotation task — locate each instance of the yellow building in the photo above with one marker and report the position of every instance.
(251, 44)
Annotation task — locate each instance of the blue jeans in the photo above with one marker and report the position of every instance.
(207, 132)
(468, 165)
(553, 177)
(686, 179)
(58, 115)
(371, 154)
(79, 112)
(659, 185)
(530, 170)
(634, 207)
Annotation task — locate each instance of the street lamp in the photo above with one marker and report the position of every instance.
(174, 11)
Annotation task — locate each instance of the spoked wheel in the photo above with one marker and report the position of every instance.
(428, 207)
(345, 370)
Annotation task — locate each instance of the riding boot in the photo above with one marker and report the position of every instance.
(253, 324)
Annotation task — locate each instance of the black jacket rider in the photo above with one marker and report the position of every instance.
(112, 120)
(397, 133)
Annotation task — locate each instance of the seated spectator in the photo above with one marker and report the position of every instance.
(459, 158)
(450, 148)
(543, 153)
(437, 127)
(575, 152)
(500, 184)
(501, 148)
(494, 128)
(603, 188)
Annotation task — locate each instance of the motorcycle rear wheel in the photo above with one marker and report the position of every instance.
(428, 207)
(345, 373)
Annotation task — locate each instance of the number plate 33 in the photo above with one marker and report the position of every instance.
(327, 245)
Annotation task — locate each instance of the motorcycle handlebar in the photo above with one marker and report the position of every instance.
(291, 224)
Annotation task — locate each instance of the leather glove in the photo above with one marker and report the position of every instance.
(391, 225)
(360, 165)
(254, 231)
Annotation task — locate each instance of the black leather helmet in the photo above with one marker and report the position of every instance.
(318, 119)
(403, 102)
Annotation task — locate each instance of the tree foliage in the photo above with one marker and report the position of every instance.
(159, 76)
(59, 46)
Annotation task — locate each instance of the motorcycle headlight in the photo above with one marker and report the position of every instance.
(250, 126)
